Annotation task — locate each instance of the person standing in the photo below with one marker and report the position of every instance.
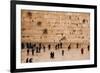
(49, 46)
(88, 47)
(62, 52)
(27, 51)
(44, 48)
(77, 45)
(27, 45)
(37, 50)
(52, 55)
(22, 45)
(34, 45)
(33, 52)
(69, 47)
(60, 44)
(27, 60)
(82, 51)
(57, 47)
(40, 47)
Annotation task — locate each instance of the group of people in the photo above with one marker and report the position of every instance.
(52, 54)
(33, 47)
(40, 47)
(29, 60)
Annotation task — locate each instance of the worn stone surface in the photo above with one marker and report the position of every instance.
(48, 27)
